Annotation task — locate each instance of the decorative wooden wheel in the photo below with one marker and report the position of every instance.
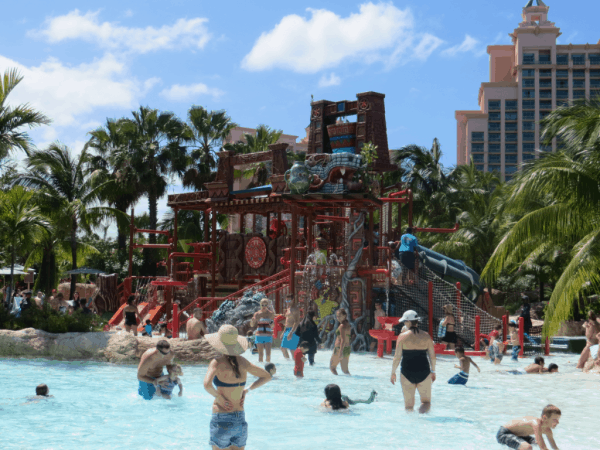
(256, 252)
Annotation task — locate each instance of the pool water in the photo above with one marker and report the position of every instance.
(96, 406)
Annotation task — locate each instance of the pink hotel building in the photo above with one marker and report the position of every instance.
(527, 80)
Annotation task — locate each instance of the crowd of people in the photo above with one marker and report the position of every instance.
(24, 299)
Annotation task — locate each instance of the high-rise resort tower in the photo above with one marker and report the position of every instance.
(528, 79)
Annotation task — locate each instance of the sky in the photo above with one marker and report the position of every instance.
(84, 62)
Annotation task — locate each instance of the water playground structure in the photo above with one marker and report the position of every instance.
(319, 249)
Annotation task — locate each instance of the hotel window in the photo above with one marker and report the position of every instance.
(510, 148)
(528, 93)
(562, 74)
(595, 83)
(528, 137)
(546, 83)
(578, 59)
(579, 84)
(510, 105)
(494, 105)
(493, 126)
(510, 126)
(528, 104)
(507, 178)
(562, 103)
(594, 58)
(595, 73)
(528, 115)
(529, 82)
(528, 126)
(479, 167)
(579, 74)
(493, 148)
(477, 147)
(510, 169)
(510, 116)
(528, 156)
(494, 137)
(545, 94)
(562, 83)
(528, 148)
(528, 58)
(578, 94)
(494, 116)
(546, 148)
(544, 114)
(510, 159)
(562, 60)
(563, 95)
(545, 104)
(546, 73)
(478, 158)
(510, 137)
(494, 168)
(544, 57)
(493, 159)
(528, 73)
(477, 136)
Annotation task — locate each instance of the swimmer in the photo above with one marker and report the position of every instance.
(465, 364)
(270, 367)
(42, 391)
(592, 328)
(514, 340)
(416, 371)
(151, 366)
(341, 350)
(263, 321)
(552, 368)
(496, 346)
(194, 327)
(290, 339)
(518, 433)
(536, 368)
(370, 400)
(299, 358)
(167, 383)
(132, 316)
(333, 398)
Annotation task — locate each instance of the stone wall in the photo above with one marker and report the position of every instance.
(113, 347)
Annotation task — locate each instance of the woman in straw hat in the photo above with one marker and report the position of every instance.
(417, 372)
(226, 381)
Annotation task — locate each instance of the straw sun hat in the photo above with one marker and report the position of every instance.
(227, 341)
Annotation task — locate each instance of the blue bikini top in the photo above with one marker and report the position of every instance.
(219, 383)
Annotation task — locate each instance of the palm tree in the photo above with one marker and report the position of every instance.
(111, 144)
(571, 218)
(67, 189)
(14, 119)
(209, 129)
(424, 168)
(22, 224)
(156, 152)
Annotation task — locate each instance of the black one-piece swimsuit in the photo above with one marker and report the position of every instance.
(415, 365)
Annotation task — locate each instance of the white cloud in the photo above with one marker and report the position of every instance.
(65, 93)
(331, 80)
(184, 33)
(179, 93)
(470, 44)
(378, 32)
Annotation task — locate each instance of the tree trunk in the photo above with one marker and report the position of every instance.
(122, 235)
(152, 207)
(541, 291)
(73, 256)
(47, 278)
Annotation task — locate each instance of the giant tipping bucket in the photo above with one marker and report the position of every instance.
(342, 137)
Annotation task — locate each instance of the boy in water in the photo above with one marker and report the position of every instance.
(167, 383)
(148, 328)
(299, 358)
(42, 391)
(270, 367)
(496, 346)
(465, 364)
(518, 433)
(513, 330)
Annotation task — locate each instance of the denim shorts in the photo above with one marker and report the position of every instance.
(227, 429)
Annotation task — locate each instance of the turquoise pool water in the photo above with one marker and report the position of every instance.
(96, 406)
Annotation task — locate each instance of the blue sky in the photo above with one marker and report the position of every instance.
(261, 61)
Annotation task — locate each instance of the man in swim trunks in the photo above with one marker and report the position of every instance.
(151, 367)
(290, 339)
(263, 321)
(341, 351)
(518, 433)
(465, 364)
(194, 327)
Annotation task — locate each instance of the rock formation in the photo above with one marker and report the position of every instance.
(237, 314)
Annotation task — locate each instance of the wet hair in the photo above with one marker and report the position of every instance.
(414, 325)
(333, 394)
(538, 360)
(163, 344)
(173, 368)
(304, 344)
(148, 322)
(592, 315)
(549, 410)
(41, 389)
(234, 363)
(409, 230)
(459, 349)
(269, 367)
(130, 299)
(552, 367)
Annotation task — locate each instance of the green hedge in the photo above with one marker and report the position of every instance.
(47, 319)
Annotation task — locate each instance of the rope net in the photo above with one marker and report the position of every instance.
(410, 290)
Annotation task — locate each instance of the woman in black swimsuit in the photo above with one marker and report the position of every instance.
(131, 315)
(417, 371)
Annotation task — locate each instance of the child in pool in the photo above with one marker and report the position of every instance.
(465, 364)
(513, 330)
(299, 358)
(41, 393)
(518, 433)
(270, 367)
(167, 383)
(148, 328)
(252, 340)
(333, 398)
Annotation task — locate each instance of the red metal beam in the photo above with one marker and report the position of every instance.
(398, 194)
(338, 218)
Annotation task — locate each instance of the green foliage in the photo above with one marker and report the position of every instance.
(47, 319)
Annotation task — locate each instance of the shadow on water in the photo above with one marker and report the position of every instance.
(447, 419)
